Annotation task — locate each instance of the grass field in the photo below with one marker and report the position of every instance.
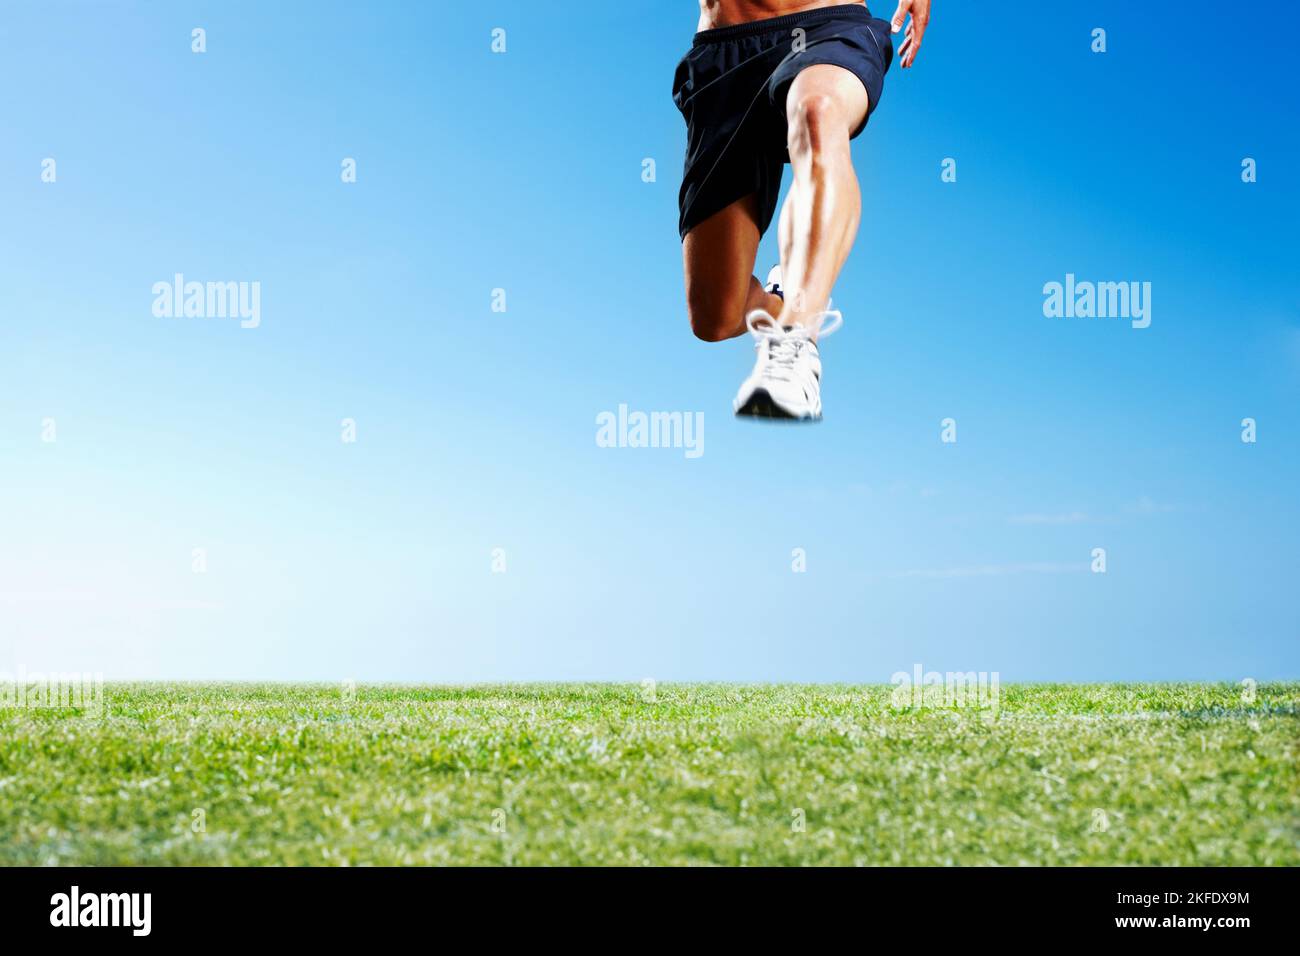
(702, 774)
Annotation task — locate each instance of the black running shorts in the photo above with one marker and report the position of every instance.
(731, 89)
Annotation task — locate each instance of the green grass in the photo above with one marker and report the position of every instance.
(706, 774)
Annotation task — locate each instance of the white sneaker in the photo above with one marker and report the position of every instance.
(786, 381)
(773, 286)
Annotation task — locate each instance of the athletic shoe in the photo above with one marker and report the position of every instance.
(773, 286)
(786, 381)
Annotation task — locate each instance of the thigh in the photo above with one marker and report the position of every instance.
(826, 81)
(858, 44)
(718, 255)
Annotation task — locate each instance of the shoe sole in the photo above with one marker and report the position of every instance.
(760, 405)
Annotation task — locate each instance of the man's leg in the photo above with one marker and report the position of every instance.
(718, 255)
(822, 210)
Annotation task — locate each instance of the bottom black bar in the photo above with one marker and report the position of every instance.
(339, 905)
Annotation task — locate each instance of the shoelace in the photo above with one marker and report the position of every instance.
(785, 345)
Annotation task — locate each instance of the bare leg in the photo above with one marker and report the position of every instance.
(718, 256)
(820, 218)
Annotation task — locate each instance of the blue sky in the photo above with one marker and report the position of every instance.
(476, 429)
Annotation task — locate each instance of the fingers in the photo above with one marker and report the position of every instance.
(911, 45)
(896, 24)
(907, 50)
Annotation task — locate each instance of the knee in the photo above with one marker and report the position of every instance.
(714, 316)
(813, 120)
